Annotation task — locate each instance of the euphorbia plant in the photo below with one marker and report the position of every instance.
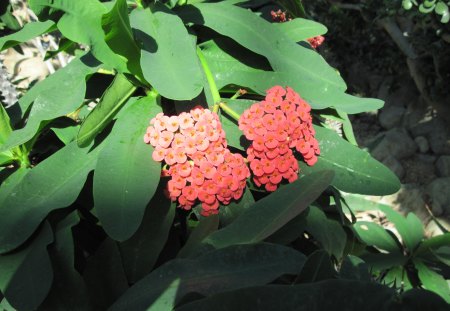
(91, 222)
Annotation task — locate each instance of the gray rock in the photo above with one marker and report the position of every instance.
(443, 166)
(391, 116)
(396, 143)
(395, 166)
(439, 193)
(432, 228)
(437, 133)
(422, 143)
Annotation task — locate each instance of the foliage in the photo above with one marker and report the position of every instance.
(437, 6)
(84, 219)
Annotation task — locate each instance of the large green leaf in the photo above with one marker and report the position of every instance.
(328, 232)
(54, 183)
(269, 214)
(409, 228)
(28, 32)
(318, 267)
(81, 22)
(300, 29)
(302, 68)
(112, 100)
(228, 213)
(168, 58)
(126, 176)
(225, 269)
(356, 171)
(320, 296)
(206, 225)
(433, 281)
(68, 289)
(26, 275)
(59, 94)
(104, 275)
(234, 135)
(119, 36)
(141, 251)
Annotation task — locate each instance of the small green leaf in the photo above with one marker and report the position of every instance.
(329, 233)
(426, 9)
(5, 126)
(168, 56)
(225, 269)
(111, 102)
(407, 4)
(433, 281)
(410, 228)
(356, 171)
(268, 215)
(28, 32)
(441, 8)
(28, 273)
(374, 235)
(126, 176)
(54, 183)
(141, 251)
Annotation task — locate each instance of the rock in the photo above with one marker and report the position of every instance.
(395, 166)
(438, 191)
(443, 166)
(397, 143)
(419, 169)
(437, 132)
(391, 116)
(410, 198)
(422, 143)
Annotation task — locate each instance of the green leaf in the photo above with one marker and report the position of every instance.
(28, 32)
(68, 289)
(318, 267)
(67, 134)
(302, 68)
(26, 275)
(228, 213)
(269, 214)
(426, 9)
(441, 8)
(5, 126)
(54, 183)
(111, 102)
(397, 277)
(8, 185)
(328, 232)
(119, 37)
(443, 254)
(104, 275)
(126, 176)
(320, 296)
(229, 268)
(433, 281)
(168, 58)
(354, 268)
(59, 94)
(374, 235)
(356, 171)
(300, 29)
(409, 228)
(81, 22)
(431, 243)
(141, 251)
(206, 225)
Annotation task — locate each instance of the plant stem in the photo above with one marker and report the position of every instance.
(209, 77)
(229, 111)
(239, 92)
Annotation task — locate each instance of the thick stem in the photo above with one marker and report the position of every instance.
(229, 111)
(209, 77)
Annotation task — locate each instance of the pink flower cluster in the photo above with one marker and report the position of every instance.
(316, 41)
(201, 167)
(275, 126)
(279, 16)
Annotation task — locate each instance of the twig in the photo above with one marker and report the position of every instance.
(396, 34)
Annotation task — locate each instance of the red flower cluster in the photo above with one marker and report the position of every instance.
(279, 16)
(275, 125)
(194, 146)
(316, 41)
